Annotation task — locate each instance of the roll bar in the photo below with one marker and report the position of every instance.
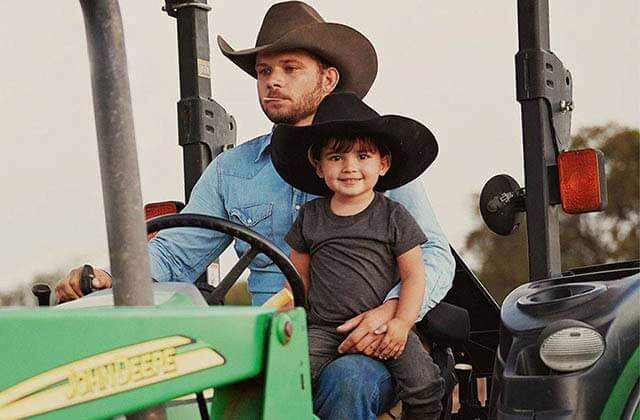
(126, 230)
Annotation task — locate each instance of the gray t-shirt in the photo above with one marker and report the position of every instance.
(353, 258)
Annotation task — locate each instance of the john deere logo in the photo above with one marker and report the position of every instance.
(105, 374)
(122, 371)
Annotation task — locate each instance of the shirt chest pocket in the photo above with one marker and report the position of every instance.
(259, 219)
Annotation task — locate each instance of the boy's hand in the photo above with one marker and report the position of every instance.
(395, 338)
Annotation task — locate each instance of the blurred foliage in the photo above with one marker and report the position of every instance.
(14, 297)
(586, 239)
(22, 296)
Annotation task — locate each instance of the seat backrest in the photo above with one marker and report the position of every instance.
(445, 324)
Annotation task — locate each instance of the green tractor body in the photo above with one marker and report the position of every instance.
(101, 362)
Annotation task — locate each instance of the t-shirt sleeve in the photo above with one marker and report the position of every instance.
(405, 231)
(294, 237)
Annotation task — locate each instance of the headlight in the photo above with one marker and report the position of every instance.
(570, 345)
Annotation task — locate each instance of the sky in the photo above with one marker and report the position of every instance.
(448, 64)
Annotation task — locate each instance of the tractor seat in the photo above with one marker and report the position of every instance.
(446, 325)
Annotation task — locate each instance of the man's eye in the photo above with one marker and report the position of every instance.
(291, 68)
(264, 72)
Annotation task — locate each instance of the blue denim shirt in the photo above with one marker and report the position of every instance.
(242, 185)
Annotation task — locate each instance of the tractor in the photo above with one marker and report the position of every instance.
(564, 345)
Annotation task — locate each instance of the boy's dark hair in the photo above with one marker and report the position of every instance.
(345, 144)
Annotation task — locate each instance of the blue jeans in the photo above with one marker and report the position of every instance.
(354, 387)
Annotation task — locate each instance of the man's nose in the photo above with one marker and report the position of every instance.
(275, 79)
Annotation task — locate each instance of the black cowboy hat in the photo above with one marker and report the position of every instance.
(412, 146)
(295, 25)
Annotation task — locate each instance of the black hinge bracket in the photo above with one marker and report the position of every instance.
(540, 74)
(205, 121)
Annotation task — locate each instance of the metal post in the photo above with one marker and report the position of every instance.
(204, 127)
(118, 157)
(126, 232)
(538, 142)
(195, 83)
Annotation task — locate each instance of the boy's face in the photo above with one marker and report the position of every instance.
(353, 173)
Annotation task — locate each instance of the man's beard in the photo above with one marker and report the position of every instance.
(307, 105)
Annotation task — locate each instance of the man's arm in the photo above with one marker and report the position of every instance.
(436, 252)
(69, 287)
(439, 264)
(176, 254)
(184, 254)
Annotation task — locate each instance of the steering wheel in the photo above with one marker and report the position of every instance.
(257, 244)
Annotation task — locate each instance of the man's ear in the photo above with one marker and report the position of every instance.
(330, 79)
(385, 164)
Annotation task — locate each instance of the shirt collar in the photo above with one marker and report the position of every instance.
(265, 147)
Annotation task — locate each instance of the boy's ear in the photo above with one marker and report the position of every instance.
(316, 165)
(385, 164)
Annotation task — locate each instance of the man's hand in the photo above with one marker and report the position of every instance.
(395, 338)
(363, 337)
(69, 287)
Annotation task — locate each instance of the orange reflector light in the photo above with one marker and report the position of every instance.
(162, 208)
(582, 181)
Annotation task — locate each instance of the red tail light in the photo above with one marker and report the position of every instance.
(582, 181)
(162, 208)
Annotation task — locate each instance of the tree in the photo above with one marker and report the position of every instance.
(587, 239)
(21, 295)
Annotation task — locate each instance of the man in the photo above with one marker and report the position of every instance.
(297, 61)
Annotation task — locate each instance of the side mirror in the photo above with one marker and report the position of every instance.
(502, 204)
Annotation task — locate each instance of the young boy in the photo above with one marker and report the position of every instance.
(354, 245)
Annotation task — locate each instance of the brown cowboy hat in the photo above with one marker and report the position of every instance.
(412, 146)
(295, 25)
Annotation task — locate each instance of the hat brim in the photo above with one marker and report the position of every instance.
(342, 46)
(412, 146)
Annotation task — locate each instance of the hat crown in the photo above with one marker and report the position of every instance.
(282, 18)
(343, 106)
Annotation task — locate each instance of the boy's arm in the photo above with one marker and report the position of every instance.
(412, 287)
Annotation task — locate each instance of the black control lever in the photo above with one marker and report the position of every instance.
(86, 280)
(42, 292)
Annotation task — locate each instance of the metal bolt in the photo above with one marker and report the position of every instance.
(566, 106)
(288, 330)
(284, 329)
